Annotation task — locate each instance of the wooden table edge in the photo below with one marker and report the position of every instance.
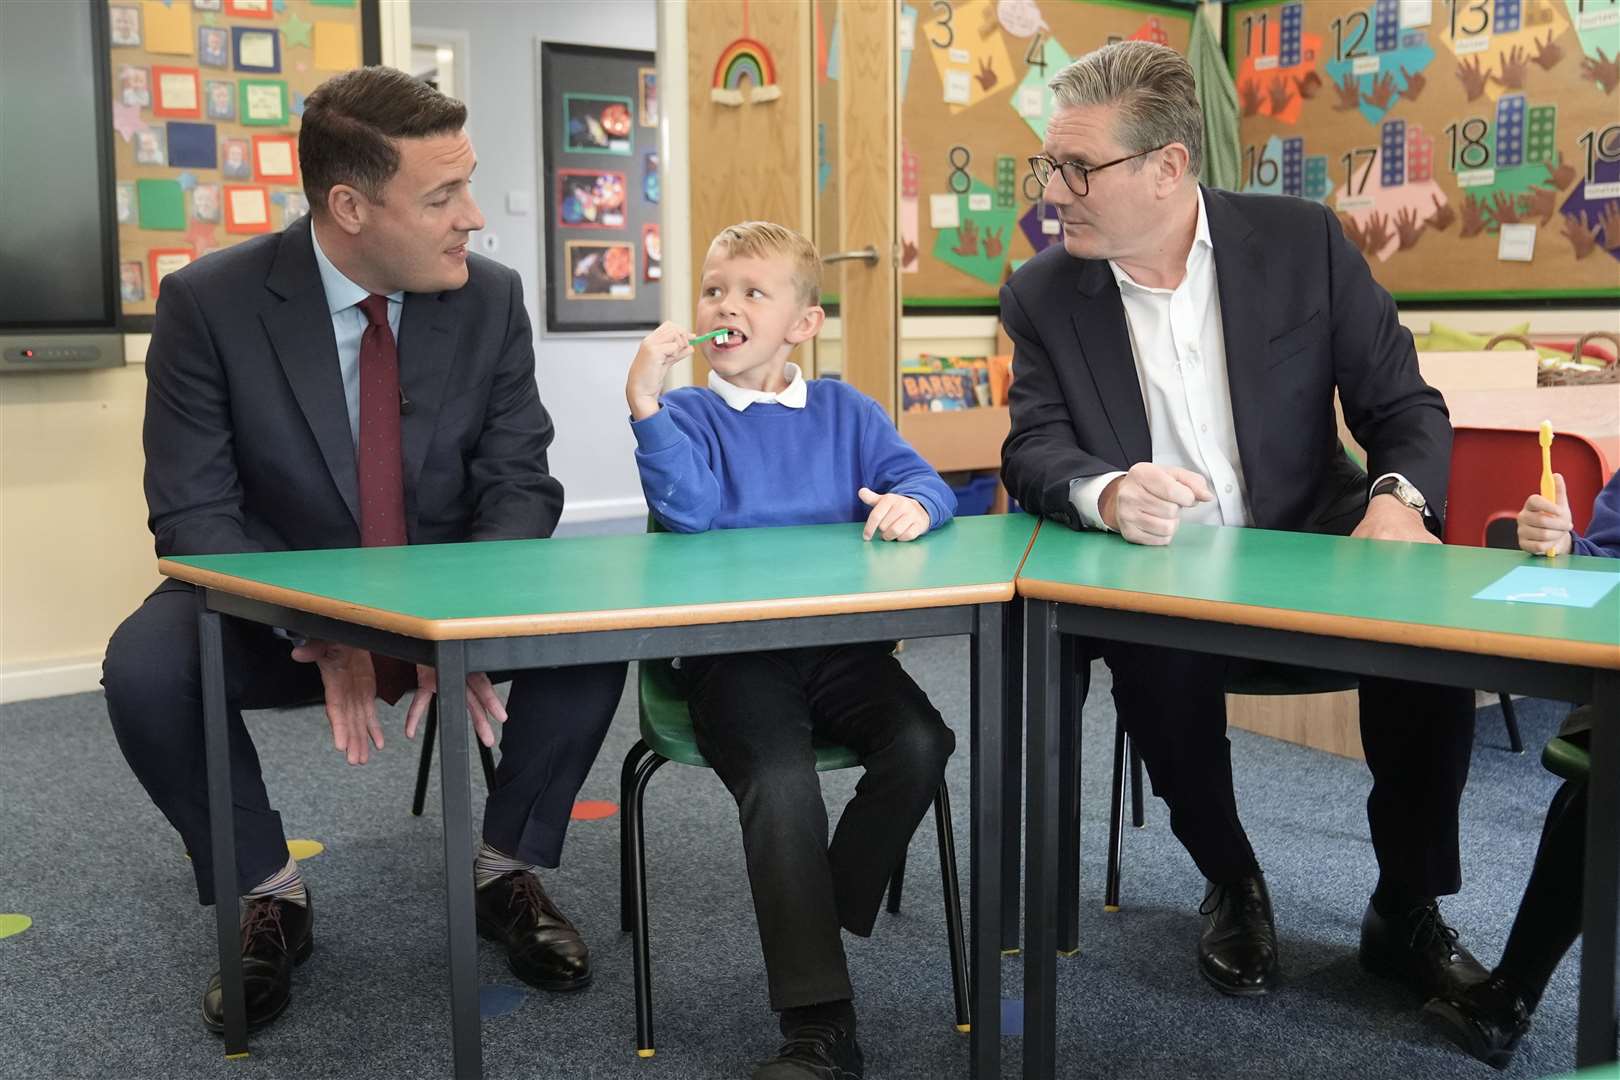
(585, 622)
(1483, 642)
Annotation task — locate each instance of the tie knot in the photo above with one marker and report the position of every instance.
(375, 309)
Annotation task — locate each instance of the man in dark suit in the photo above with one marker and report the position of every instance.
(360, 379)
(1175, 359)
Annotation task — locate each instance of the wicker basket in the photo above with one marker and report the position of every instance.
(1568, 376)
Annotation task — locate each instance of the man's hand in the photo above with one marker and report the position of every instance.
(1544, 527)
(350, 684)
(893, 517)
(482, 703)
(1144, 506)
(660, 350)
(1387, 518)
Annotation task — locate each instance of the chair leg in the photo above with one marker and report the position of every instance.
(1138, 816)
(1511, 718)
(627, 810)
(896, 883)
(953, 909)
(430, 728)
(648, 765)
(1116, 818)
(1071, 693)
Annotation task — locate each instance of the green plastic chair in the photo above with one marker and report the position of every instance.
(1567, 758)
(666, 735)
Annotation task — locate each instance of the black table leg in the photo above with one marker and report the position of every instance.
(985, 893)
(1068, 851)
(1012, 782)
(455, 784)
(1597, 1038)
(222, 825)
(1041, 838)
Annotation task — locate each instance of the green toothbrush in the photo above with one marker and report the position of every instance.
(719, 337)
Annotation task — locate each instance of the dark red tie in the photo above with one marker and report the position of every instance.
(381, 475)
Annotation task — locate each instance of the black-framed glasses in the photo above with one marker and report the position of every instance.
(1076, 175)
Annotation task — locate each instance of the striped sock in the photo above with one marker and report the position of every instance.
(286, 884)
(490, 864)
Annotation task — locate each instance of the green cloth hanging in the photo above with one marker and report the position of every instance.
(1217, 97)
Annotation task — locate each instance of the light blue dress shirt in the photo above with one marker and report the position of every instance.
(349, 325)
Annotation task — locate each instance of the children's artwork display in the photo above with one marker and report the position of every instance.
(206, 105)
(599, 158)
(1470, 148)
(974, 106)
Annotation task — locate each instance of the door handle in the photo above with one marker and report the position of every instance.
(868, 255)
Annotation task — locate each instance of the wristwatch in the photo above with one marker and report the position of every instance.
(1405, 492)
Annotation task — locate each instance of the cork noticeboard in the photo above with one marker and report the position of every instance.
(974, 106)
(206, 100)
(1470, 147)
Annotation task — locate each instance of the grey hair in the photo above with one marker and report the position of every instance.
(1152, 84)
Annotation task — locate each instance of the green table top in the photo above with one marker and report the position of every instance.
(1374, 590)
(523, 587)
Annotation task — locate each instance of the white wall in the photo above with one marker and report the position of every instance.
(581, 376)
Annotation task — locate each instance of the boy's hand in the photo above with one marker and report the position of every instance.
(660, 350)
(1544, 527)
(893, 517)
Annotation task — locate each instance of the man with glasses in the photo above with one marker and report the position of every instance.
(1175, 360)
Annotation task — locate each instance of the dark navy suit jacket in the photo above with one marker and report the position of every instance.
(248, 445)
(1301, 317)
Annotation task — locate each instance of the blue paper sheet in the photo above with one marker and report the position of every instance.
(192, 146)
(1550, 585)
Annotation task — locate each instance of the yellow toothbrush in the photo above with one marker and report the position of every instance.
(1549, 488)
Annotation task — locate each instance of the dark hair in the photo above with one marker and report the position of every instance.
(351, 121)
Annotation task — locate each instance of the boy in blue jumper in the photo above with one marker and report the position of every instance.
(1488, 1019)
(762, 445)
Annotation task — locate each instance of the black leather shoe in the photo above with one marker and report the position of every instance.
(1238, 950)
(1419, 950)
(816, 1050)
(277, 936)
(1486, 1020)
(542, 946)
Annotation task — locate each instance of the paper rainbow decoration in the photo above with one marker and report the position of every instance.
(744, 60)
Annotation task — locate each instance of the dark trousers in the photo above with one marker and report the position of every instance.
(152, 676)
(1418, 740)
(1549, 918)
(756, 717)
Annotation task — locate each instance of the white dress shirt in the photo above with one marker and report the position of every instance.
(1180, 357)
(794, 395)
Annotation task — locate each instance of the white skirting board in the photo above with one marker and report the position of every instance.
(49, 678)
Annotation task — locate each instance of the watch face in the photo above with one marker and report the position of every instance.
(1408, 495)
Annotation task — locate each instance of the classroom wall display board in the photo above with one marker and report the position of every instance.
(1471, 148)
(974, 107)
(207, 96)
(599, 163)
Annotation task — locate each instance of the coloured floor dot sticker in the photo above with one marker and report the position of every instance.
(497, 1000)
(593, 809)
(1012, 1016)
(305, 849)
(11, 924)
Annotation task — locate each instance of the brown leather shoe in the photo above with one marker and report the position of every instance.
(277, 936)
(542, 946)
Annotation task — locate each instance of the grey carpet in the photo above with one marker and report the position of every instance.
(106, 982)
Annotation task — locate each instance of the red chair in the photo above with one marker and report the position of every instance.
(1493, 470)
